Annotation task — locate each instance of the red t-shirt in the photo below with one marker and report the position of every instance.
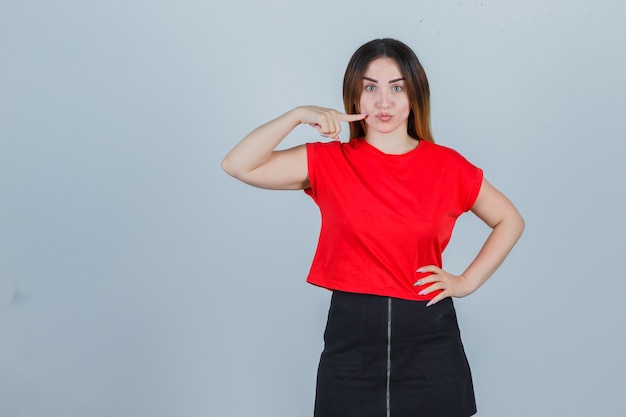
(384, 216)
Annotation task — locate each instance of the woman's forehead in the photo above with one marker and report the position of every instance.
(384, 68)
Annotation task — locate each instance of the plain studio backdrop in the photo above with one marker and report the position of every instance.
(138, 279)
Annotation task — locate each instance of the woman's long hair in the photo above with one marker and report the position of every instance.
(415, 80)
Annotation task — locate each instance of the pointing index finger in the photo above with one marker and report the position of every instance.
(352, 117)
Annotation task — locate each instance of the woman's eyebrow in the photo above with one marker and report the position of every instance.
(390, 81)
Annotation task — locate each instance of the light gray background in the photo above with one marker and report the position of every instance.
(136, 278)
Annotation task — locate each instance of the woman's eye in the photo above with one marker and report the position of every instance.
(370, 88)
(396, 89)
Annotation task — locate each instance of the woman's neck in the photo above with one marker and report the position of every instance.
(393, 143)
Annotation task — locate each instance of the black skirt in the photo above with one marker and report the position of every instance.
(388, 357)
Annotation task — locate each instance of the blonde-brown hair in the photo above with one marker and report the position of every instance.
(416, 83)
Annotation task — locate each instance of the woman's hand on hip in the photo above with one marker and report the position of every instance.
(450, 285)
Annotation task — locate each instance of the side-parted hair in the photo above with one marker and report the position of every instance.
(415, 81)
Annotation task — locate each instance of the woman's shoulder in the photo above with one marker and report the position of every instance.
(334, 147)
(335, 144)
(320, 149)
(442, 151)
(445, 157)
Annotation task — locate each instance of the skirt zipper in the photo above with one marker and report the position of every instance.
(388, 355)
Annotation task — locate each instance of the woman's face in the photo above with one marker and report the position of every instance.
(384, 97)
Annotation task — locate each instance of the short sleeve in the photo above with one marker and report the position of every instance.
(474, 189)
(460, 179)
(470, 179)
(322, 160)
(311, 159)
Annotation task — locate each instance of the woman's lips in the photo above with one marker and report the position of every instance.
(385, 117)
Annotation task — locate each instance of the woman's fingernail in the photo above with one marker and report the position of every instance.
(429, 303)
(421, 292)
(420, 269)
(417, 284)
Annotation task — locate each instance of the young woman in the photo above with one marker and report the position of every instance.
(389, 199)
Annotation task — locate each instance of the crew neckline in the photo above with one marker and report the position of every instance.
(374, 149)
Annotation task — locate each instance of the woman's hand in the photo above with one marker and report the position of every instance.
(326, 121)
(450, 285)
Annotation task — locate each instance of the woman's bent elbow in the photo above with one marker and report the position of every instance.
(237, 171)
(227, 166)
(522, 224)
(518, 224)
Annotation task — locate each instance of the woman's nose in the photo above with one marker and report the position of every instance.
(383, 99)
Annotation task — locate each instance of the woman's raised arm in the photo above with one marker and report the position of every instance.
(256, 161)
